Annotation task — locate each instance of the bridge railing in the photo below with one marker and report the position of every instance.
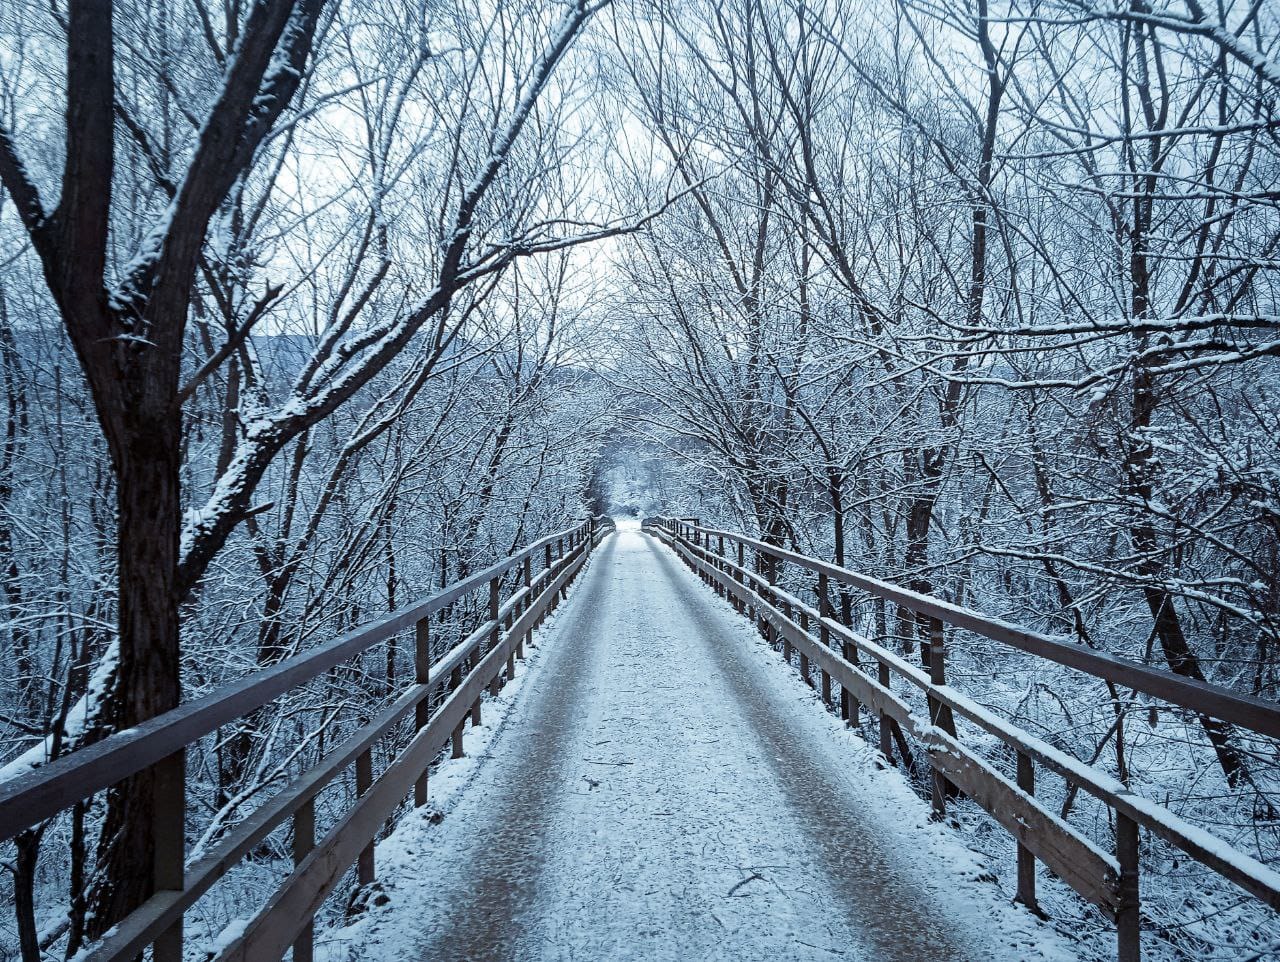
(443, 694)
(864, 671)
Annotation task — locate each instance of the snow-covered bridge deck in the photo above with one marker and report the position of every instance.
(660, 787)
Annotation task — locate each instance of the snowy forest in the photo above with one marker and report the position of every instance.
(310, 308)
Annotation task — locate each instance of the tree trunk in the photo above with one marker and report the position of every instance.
(148, 675)
(24, 893)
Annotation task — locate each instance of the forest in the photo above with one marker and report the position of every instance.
(310, 308)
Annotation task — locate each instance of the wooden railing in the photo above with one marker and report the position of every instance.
(864, 671)
(484, 658)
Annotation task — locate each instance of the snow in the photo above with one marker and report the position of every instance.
(233, 930)
(78, 719)
(1192, 836)
(657, 785)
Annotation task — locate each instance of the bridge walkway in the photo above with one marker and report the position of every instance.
(662, 788)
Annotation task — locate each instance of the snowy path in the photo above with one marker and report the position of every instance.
(663, 789)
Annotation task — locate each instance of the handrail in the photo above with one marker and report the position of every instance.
(43, 793)
(1247, 711)
(275, 928)
(31, 798)
(1110, 882)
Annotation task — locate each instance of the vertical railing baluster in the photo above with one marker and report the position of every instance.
(304, 840)
(824, 638)
(1026, 861)
(422, 712)
(169, 837)
(851, 710)
(495, 633)
(742, 575)
(886, 737)
(455, 682)
(1128, 913)
(785, 608)
(823, 673)
(560, 595)
(528, 602)
(939, 714)
(546, 567)
(364, 781)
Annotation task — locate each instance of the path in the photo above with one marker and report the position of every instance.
(662, 791)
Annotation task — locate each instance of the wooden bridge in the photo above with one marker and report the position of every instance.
(788, 596)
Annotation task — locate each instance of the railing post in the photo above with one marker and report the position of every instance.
(304, 840)
(455, 682)
(824, 638)
(765, 628)
(477, 653)
(364, 781)
(786, 643)
(1026, 861)
(848, 704)
(822, 672)
(169, 836)
(528, 601)
(546, 566)
(422, 713)
(741, 575)
(495, 634)
(456, 737)
(564, 589)
(723, 567)
(886, 737)
(939, 714)
(850, 709)
(937, 676)
(1128, 918)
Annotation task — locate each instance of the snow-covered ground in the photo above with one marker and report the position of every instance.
(658, 786)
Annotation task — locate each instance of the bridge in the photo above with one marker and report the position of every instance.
(664, 789)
